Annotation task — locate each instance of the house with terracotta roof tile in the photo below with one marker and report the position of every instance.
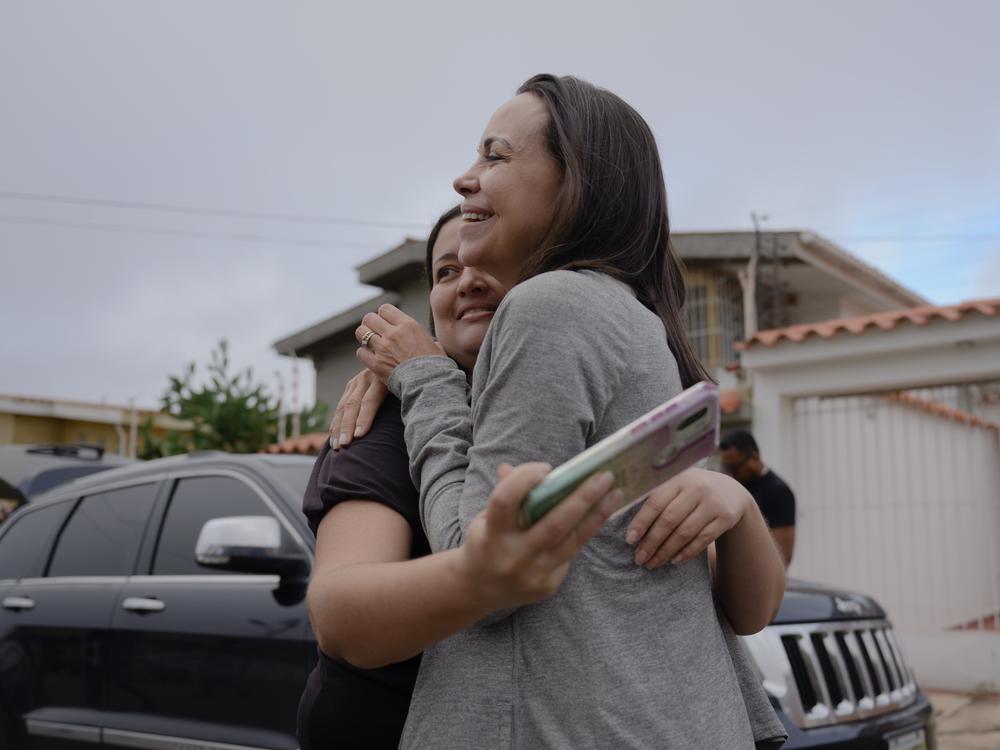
(881, 410)
(887, 426)
(738, 282)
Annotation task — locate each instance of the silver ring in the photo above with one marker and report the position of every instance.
(367, 337)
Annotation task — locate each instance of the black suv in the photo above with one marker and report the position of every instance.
(111, 631)
(28, 470)
(162, 606)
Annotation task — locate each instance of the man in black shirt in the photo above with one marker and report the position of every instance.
(741, 459)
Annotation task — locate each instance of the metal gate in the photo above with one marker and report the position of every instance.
(899, 496)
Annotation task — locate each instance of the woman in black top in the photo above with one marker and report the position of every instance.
(363, 507)
(344, 706)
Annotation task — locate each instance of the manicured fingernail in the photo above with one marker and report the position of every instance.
(334, 442)
(344, 438)
(641, 556)
(677, 560)
(359, 430)
(631, 536)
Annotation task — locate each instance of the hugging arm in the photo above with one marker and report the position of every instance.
(540, 401)
(371, 606)
(683, 516)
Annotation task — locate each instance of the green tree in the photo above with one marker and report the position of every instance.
(227, 412)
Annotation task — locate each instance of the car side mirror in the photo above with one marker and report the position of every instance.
(247, 544)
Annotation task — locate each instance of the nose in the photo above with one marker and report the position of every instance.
(467, 183)
(471, 282)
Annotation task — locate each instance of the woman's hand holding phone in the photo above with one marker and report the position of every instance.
(684, 515)
(507, 565)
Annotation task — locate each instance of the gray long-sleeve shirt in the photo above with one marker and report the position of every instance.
(620, 656)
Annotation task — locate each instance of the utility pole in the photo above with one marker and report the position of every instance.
(748, 280)
(281, 406)
(777, 296)
(296, 416)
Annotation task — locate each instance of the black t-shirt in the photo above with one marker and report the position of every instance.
(344, 707)
(774, 498)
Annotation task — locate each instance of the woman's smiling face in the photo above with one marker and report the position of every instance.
(463, 299)
(509, 193)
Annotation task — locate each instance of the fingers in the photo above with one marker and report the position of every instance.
(348, 418)
(375, 395)
(584, 531)
(368, 358)
(393, 314)
(340, 437)
(502, 508)
(693, 534)
(563, 521)
(699, 544)
(335, 428)
(652, 507)
(374, 322)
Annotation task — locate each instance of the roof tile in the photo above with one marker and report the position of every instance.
(943, 410)
(309, 444)
(886, 321)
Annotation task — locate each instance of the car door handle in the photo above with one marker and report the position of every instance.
(142, 605)
(18, 603)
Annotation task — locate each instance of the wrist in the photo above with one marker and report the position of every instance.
(476, 595)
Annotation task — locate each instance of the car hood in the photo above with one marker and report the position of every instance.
(812, 602)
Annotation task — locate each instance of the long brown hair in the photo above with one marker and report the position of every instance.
(451, 213)
(611, 212)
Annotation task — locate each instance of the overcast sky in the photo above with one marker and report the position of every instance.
(172, 173)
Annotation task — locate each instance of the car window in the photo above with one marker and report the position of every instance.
(195, 501)
(103, 535)
(25, 546)
(46, 480)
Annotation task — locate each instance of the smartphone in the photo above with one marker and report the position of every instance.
(641, 455)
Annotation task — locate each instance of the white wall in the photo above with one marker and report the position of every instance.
(901, 504)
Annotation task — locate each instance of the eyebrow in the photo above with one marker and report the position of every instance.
(446, 257)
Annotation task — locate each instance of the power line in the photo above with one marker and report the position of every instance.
(257, 238)
(194, 210)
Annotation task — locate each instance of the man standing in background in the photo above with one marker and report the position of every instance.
(741, 459)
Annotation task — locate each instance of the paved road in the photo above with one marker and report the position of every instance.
(967, 722)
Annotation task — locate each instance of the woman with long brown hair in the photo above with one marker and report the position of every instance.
(566, 204)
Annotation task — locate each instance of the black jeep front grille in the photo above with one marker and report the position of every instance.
(842, 671)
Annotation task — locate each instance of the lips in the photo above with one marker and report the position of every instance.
(476, 312)
(472, 214)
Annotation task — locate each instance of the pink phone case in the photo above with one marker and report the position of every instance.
(642, 455)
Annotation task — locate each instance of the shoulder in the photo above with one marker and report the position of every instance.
(568, 287)
(375, 467)
(772, 487)
(779, 484)
(579, 297)
(384, 441)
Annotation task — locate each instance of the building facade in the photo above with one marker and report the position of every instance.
(27, 419)
(738, 283)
